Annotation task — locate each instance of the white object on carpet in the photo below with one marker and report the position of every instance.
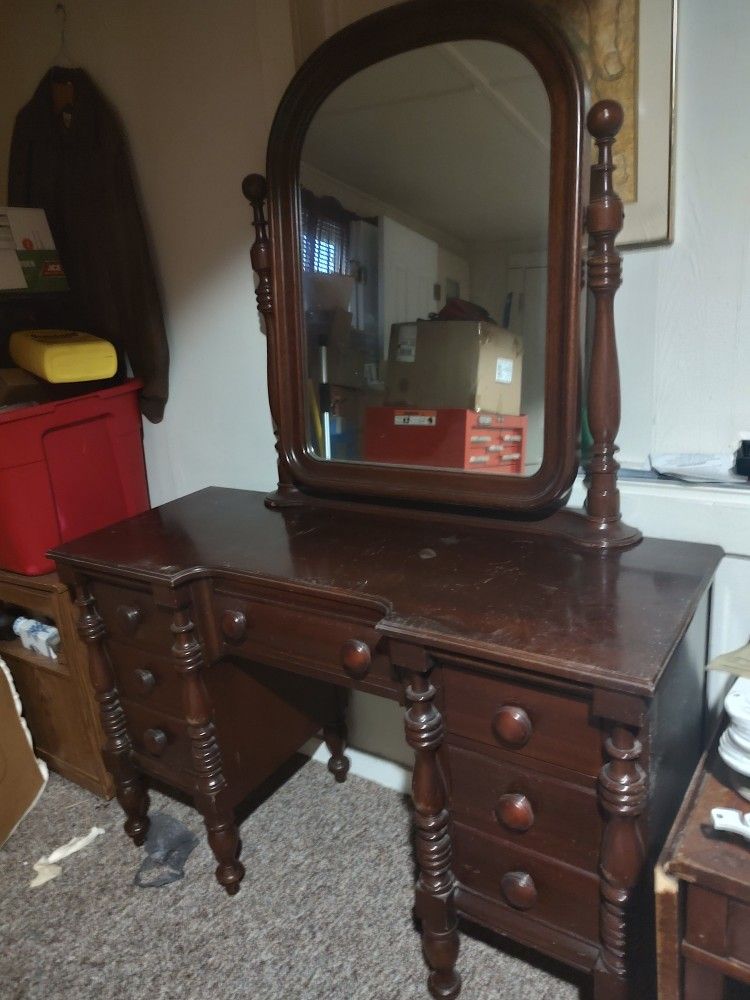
(47, 868)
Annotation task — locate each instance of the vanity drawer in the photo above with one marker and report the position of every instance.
(158, 739)
(146, 678)
(530, 721)
(534, 810)
(285, 636)
(542, 889)
(130, 614)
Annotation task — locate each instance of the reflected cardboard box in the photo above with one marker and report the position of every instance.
(454, 364)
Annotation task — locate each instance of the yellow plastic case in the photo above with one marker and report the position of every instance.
(63, 355)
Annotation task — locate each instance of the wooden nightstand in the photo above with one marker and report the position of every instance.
(703, 895)
(58, 701)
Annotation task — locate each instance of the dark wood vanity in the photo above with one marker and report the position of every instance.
(550, 662)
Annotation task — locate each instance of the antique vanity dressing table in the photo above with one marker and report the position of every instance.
(549, 661)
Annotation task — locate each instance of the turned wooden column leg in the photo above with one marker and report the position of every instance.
(622, 794)
(221, 825)
(435, 886)
(130, 787)
(335, 736)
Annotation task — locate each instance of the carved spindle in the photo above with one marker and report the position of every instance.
(207, 765)
(622, 795)
(604, 221)
(435, 886)
(129, 784)
(255, 189)
(335, 736)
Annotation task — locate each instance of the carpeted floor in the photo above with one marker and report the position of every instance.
(323, 912)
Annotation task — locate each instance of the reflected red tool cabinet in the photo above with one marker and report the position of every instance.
(446, 438)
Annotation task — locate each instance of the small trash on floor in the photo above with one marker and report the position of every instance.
(48, 868)
(168, 845)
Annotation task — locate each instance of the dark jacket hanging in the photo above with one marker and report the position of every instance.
(75, 164)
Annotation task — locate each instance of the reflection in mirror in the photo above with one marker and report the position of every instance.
(424, 217)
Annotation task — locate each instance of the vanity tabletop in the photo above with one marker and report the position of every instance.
(458, 586)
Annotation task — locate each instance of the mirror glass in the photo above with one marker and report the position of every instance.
(424, 219)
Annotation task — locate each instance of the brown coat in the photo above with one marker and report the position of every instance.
(75, 164)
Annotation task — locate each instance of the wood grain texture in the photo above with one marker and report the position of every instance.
(612, 623)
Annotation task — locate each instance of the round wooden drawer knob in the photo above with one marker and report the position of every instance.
(519, 890)
(512, 726)
(128, 618)
(514, 812)
(146, 680)
(356, 657)
(234, 625)
(155, 741)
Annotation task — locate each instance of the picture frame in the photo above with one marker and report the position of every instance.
(649, 221)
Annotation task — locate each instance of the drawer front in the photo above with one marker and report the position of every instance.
(145, 678)
(158, 739)
(530, 721)
(553, 893)
(534, 810)
(284, 635)
(131, 615)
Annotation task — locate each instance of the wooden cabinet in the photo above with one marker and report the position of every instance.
(703, 895)
(57, 697)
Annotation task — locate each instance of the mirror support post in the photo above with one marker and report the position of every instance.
(255, 189)
(604, 221)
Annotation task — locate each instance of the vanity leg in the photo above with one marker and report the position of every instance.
(335, 736)
(224, 841)
(435, 886)
(622, 795)
(130, 787)
(210, 782)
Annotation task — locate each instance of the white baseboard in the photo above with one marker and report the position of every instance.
(366, 765)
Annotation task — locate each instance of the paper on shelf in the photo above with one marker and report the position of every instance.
(697, 468)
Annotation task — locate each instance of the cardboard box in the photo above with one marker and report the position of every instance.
(454, 364)
(22, 776)
(346, 355)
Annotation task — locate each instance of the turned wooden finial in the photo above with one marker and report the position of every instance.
(604, 221)
(254, 188)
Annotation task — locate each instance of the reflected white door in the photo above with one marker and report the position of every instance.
(408, 267)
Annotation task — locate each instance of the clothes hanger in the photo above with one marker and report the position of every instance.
(63, 58)
(63, 91)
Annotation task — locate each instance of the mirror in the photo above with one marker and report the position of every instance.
(423, 236)
(430, 158)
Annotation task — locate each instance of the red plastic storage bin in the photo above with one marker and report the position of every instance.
(68, 468)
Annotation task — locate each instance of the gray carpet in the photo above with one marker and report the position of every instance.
(323, 912)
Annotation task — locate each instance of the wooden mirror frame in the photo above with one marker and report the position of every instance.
(276, 260)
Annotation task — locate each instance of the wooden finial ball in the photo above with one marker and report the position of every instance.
(254, 187)
(605, 119)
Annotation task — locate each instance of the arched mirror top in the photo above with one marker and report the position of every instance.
(384, 144)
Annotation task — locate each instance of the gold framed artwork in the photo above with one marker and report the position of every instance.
(627, 49)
